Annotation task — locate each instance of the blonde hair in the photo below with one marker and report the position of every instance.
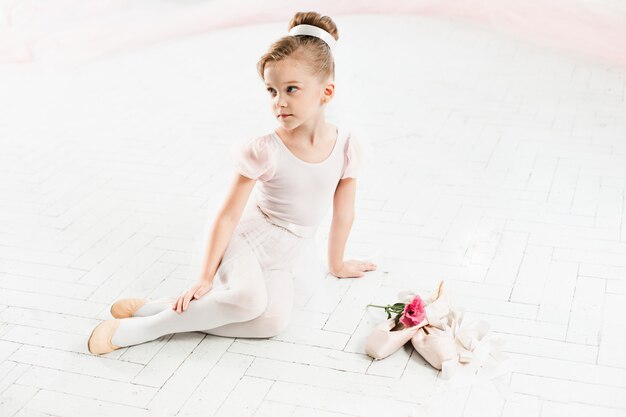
(311, 49)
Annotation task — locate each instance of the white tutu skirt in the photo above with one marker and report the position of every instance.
(275, 248)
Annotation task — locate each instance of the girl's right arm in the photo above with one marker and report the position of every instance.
(225, 223)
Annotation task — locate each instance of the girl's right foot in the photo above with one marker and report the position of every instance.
(99, 341)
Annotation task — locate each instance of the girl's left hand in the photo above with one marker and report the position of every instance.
(353, 268)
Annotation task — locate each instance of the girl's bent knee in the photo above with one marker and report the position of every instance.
(254, 302)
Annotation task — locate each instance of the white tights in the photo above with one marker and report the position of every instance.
(245, 301)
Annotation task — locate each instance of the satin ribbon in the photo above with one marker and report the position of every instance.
(474, 342)
(296, 229)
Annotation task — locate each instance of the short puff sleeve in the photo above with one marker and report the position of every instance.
(255, 159)
(357, 156)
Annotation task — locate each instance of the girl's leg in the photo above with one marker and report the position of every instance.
(272, 322)
(276, 317)
(242, 297)
(155, 306)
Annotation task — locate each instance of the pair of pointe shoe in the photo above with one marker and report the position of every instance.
(387, 338)
(99, 341)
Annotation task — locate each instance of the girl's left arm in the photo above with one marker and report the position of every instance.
(343, 217)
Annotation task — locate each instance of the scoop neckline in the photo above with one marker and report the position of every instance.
(332, 152)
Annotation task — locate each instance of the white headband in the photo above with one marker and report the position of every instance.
(314, 31)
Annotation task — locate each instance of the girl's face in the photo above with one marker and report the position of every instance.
(294, 92)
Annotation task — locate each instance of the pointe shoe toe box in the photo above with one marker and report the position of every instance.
(382, 342)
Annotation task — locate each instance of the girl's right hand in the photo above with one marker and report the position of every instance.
(196, 291)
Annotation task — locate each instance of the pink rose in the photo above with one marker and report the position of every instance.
(414, 312)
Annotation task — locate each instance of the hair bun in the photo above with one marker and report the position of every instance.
(316, 52)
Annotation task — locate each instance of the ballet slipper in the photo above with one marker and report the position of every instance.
(436, 342)
(437, 346)
(383, 341)
(100, 339)
(386, 338)
(126, 307)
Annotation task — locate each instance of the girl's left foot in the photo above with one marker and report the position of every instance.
(100, 339)
(127, 307)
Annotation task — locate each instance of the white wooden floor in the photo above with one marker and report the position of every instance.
(500, 167)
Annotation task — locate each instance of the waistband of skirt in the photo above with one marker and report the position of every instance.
(296, 229)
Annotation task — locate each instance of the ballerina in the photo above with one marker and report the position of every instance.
(302, 168)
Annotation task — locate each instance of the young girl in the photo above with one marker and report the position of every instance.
(302, 167)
